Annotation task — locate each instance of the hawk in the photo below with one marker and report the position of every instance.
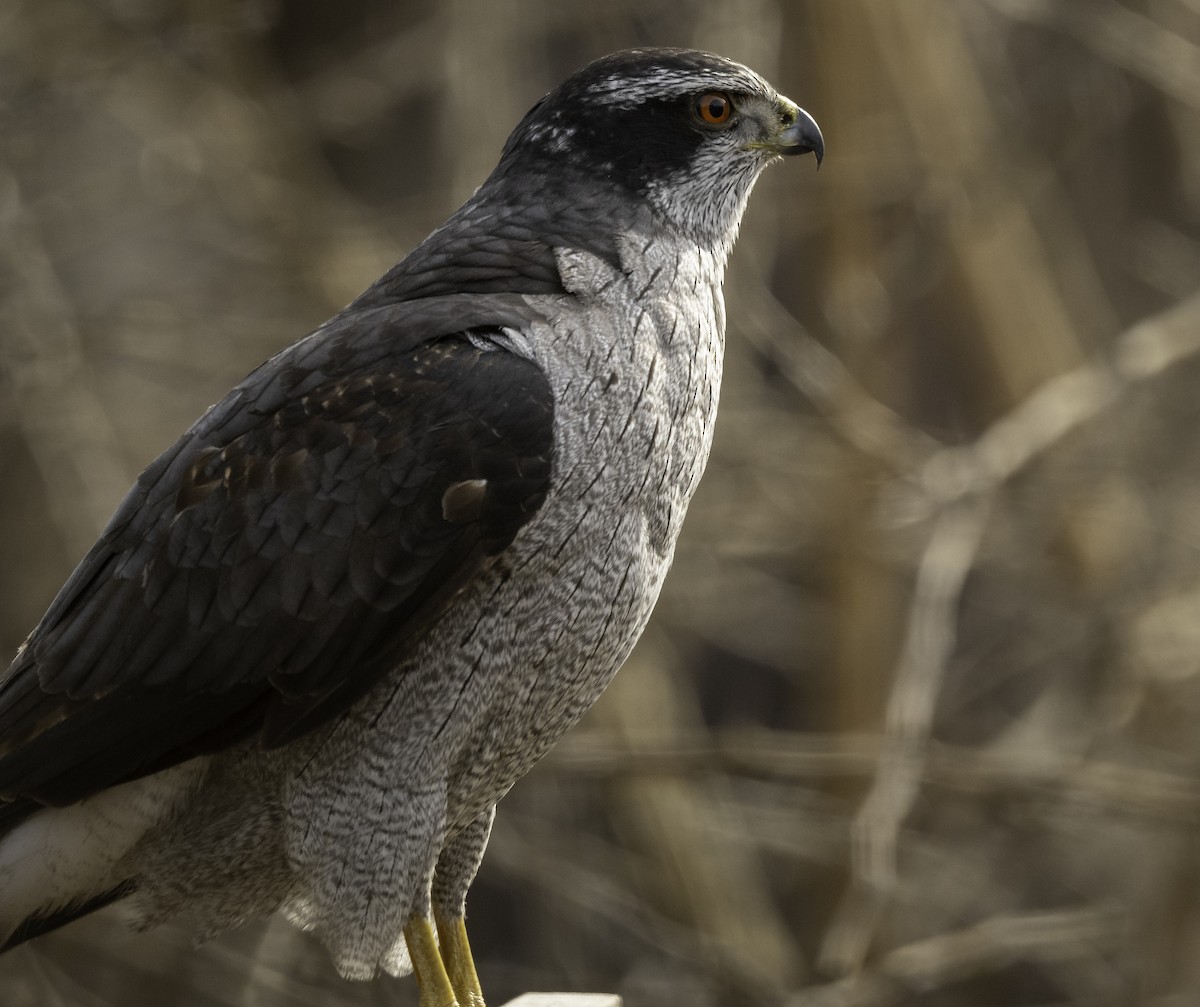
(328, 629)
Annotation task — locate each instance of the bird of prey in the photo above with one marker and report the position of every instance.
(328, 629)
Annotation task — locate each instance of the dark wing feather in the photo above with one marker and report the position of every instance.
(278, 559)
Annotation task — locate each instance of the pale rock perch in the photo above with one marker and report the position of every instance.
(330, 627)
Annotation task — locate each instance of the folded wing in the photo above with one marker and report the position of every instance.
(282, 556)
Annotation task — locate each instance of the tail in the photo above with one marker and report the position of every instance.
(37, 924)
(58, 864)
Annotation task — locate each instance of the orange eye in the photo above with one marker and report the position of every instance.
(714, 108)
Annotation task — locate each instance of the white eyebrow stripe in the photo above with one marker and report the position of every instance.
(665, 82)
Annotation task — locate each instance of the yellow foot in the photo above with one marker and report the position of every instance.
(456, 953)
(433, 984)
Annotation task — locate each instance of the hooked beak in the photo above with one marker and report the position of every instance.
(800, 133)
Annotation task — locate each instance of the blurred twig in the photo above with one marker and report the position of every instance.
(1122, 36)
(860, 419)
(715, 884)
(1062, 405)
(537, 856)
(931, 633)
(799, 759)
(978, 471)
(63, 420)
(982, 949)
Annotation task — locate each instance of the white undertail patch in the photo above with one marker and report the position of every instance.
(61, 856)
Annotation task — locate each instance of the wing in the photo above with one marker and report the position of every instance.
(265, 571)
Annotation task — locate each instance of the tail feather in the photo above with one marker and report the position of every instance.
(36, 924)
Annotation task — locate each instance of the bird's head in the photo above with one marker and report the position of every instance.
(687, 132)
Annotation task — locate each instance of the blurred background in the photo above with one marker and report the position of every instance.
(918, 717)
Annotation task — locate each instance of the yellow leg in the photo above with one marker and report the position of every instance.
(456, 953)
(433, 984)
